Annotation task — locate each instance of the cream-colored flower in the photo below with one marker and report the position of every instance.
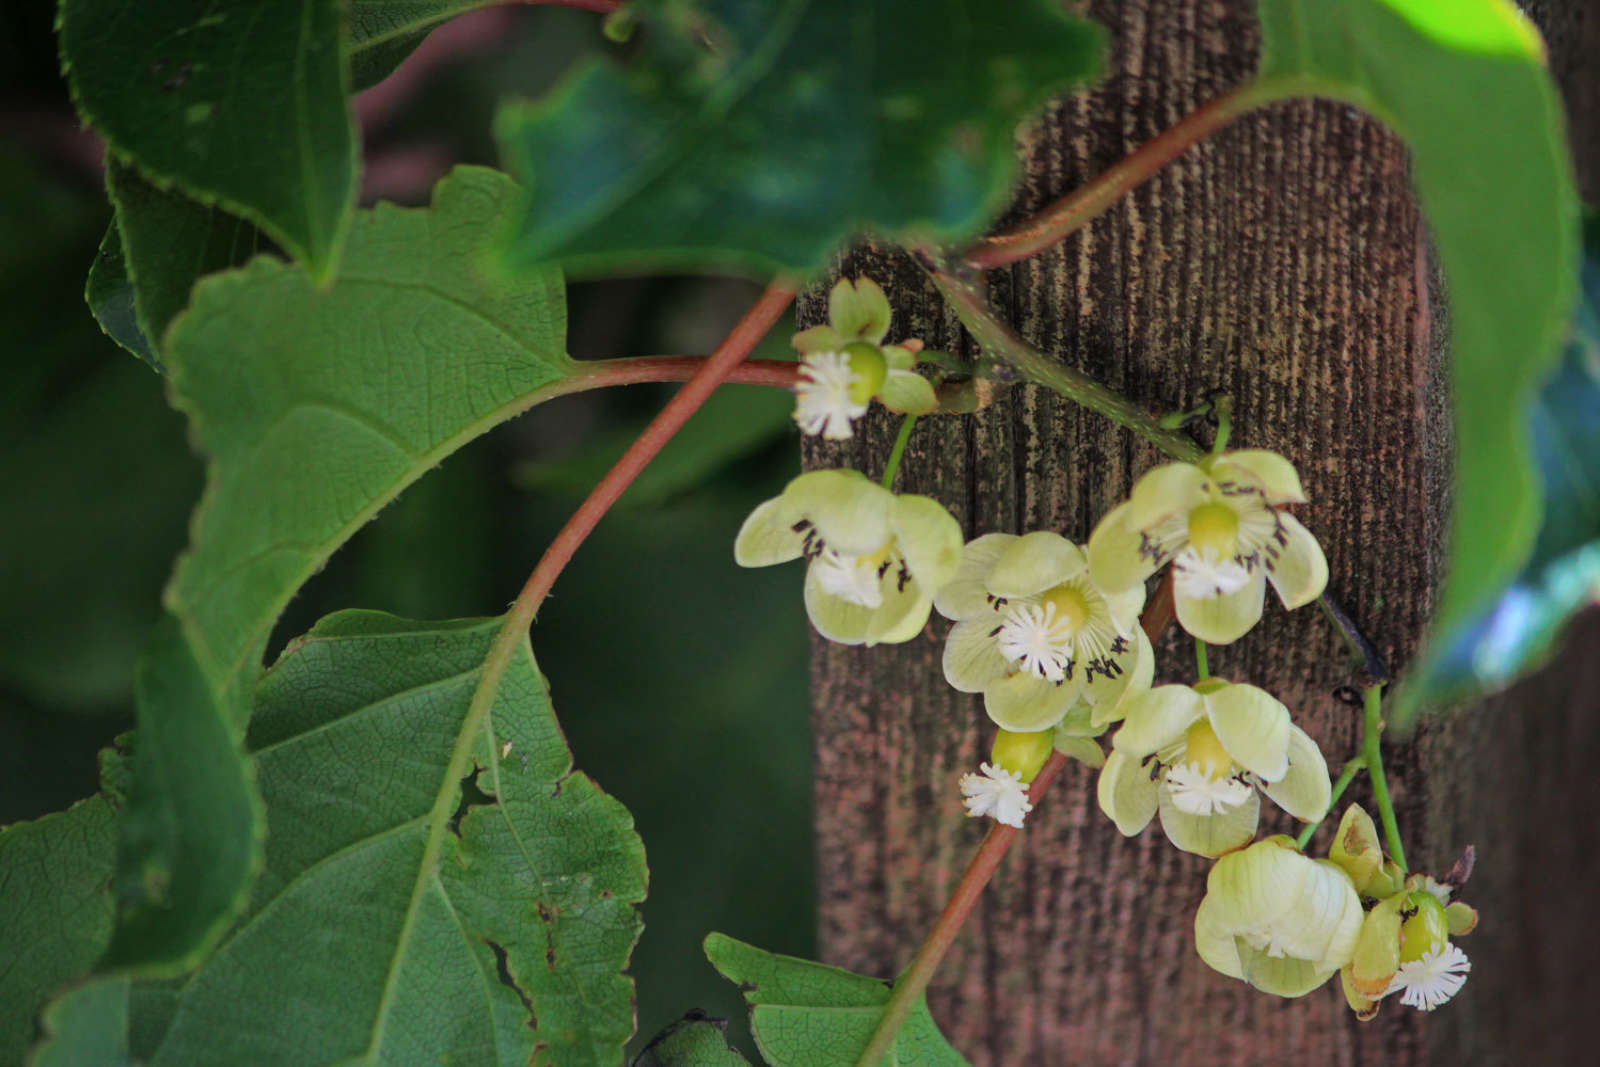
(1035, 635)
(1221, 525)
(1276, 919)
(1198, 755)
(844, 364)
(1405, 948)
(876, 558)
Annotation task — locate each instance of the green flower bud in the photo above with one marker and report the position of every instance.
(1356, 847)
(1022, 753)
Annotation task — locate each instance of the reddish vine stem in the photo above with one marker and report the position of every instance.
(599, 373)
(1073, 211)
(914, 982)
(710, 374)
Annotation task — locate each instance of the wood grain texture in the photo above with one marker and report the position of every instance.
(1285, 263)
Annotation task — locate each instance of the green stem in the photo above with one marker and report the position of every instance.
(1349, 772)
(891, 468)
(1003, 346)
(1372, 733)
(1200, 659)
(1224, 413)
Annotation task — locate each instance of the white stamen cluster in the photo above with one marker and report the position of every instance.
(1432, 980)
(1194, 791)
(996, 792)
(1199, 573)
(851, 578)
(823, 404)
(1269, 941)
(1033, 637)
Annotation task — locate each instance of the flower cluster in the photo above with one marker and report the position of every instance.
(1049, 633)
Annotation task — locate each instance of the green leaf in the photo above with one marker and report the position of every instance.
(166, 242)
(190, 837)
(401, 918)
(1513, 633)
(731, 424)
(808, 1014)
(1469, 92)
(384, 32)
(315, 408)
(693, 1041)
(758, 136)
(55, 877)
(244, 103)
(109, 294)
(87, 1027)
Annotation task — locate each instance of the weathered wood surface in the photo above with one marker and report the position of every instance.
(1283, 262)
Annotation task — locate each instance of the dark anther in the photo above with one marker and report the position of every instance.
(1119, 645)
(883, 568)
(801, 526)
(905, 576)
(996, 631)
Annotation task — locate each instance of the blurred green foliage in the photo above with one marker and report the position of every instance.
(681, 680)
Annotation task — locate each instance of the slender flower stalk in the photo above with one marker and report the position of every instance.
(897, 453)
(915, 981)
(1345, 778)
(1372, 734)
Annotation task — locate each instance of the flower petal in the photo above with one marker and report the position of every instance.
(1125, 606)
(822, 338)
(1209, 835)
(972, 658)
(1222, 620)
(1138, 665)
(1115, 562)
(834, 617)
(850, 512)
(1254, 728)
(1213, 938)
(1267, 471)
(768, 535)
(1377, 952)
(1126, 793)
(901, 616)
(1304, 789)
(899, 357)
(1171, 489)
(1300, 571)
(1025, 702)
(859, 311)
(928, 537)
(965, 596)
(1284, 976)
(1086, 750)
(907, 392)
(1033, 563)
(1156, 718)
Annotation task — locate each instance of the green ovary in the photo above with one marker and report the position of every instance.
(869, 368)
(1216, 527)
(1203, 750)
